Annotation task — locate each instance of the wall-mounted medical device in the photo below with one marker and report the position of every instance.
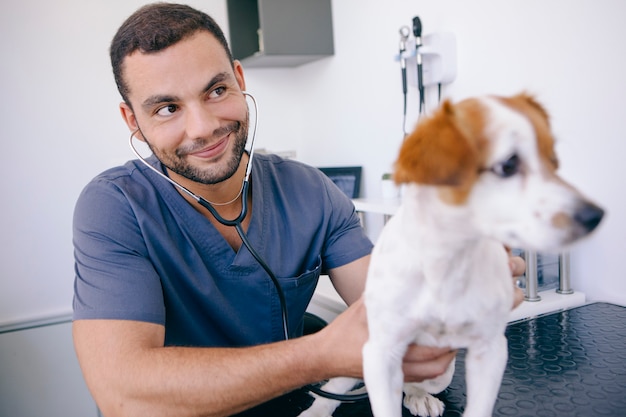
(425, 61)
(438, 59)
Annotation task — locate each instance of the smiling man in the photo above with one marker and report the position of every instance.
(173, 316)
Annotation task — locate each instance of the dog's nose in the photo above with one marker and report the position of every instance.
(588, 216)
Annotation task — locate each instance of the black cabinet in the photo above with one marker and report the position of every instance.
(280, 33)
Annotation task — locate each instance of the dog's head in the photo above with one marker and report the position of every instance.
(494, 158)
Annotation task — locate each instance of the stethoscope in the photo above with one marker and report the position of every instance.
(237, 224)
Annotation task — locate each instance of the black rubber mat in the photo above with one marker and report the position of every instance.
(570, 364)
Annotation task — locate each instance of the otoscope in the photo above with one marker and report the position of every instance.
(417, 32)
(404, 35)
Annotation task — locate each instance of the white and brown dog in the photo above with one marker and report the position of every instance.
(478, 175)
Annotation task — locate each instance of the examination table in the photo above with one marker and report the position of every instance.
(568, 363)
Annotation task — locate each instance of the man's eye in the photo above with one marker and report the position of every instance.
(507, 168)
(217, 92)
(167, 110)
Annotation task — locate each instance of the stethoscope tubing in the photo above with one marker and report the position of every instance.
(237, 224)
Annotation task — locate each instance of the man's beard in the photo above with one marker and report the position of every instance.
(177, 163)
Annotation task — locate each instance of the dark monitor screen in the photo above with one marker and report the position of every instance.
(348, 179)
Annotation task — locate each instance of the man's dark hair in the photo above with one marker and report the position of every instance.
(155, 27)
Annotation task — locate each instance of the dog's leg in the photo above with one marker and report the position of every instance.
(484, 367)
(382, 371)
(418, 399)
(420, 403)
(324, 407)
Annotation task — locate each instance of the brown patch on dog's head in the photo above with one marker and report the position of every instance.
(445, 150)
(538, 116)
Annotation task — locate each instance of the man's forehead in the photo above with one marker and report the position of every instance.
(199, 56)
(200, 42)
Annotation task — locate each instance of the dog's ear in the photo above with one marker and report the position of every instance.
(525, 99)
(527, 105)
(438, 152)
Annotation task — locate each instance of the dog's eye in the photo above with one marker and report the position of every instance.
(507, 168)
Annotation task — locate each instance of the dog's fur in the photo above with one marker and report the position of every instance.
(478, 175)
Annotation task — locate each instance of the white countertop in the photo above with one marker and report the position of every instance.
(327, 304)
(377, 205)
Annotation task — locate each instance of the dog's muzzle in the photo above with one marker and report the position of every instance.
(588, 216)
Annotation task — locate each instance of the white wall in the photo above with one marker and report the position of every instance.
(60, 124)
(41, 375)
(347, 109)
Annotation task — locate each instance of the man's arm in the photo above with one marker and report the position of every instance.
(130, 373)
(349, 279)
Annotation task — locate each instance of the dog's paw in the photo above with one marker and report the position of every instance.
(321, 407)
(423, 405)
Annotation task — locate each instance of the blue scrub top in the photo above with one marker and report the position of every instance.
(142, 252)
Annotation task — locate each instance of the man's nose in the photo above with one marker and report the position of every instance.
(200, 122)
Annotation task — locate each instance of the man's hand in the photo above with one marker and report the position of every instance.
(518, 267)
(348, 333)
(423, 362)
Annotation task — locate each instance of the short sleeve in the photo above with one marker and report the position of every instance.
(346, 240)
(114, 278)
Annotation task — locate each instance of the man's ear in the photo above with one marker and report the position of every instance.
(437, 152)
(238, 68)
(131, 121)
